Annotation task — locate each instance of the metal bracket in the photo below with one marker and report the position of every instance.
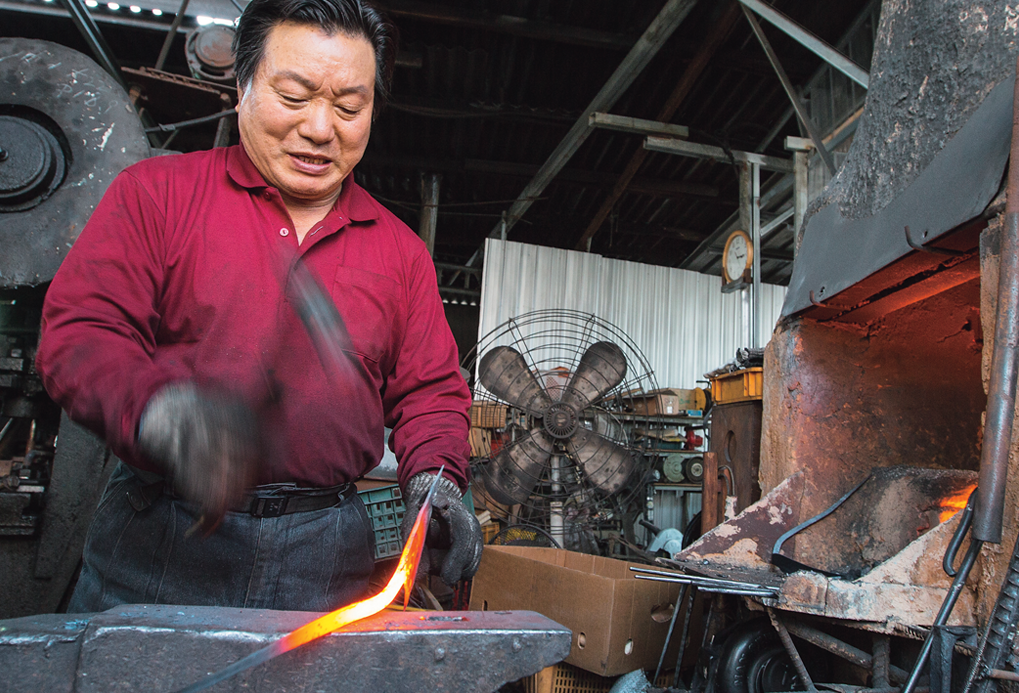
(928, 249)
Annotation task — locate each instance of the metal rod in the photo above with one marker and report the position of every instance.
(987, 515)
(684, 635)
(695, 578)
(801, 111)
(844, 650)
(880, 661)
(1003, 675)
(170, 127)
(94, 38)
(165, 50)
(790, 648)
(946, 610)
(815, 45)
(672, 625)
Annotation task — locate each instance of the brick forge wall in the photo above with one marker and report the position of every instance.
(840, 400)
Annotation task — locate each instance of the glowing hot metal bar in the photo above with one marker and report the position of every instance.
(403, 577)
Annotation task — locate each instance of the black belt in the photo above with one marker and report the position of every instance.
(272, 500)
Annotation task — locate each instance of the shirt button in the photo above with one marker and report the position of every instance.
(284, 232)
(268, 195)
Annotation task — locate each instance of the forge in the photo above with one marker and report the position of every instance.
(876, 377)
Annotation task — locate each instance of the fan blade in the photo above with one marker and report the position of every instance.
(606, 464)
(505, 374)
(515, 471)
(601, 368)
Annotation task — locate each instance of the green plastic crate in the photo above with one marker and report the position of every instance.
(385, 510)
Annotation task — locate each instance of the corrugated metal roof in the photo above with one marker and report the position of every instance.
(681, 321)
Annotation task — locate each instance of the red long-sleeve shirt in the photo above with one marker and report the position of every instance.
(179, 275)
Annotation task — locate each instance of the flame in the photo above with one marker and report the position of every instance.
(403, 577)
(954, 503)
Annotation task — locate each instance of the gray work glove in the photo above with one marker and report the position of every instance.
(206, 443)
(454, 541)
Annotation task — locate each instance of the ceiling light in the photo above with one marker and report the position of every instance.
(202, 20)
(113, 6)
(92, 3)
(157, 12)
(135, 9)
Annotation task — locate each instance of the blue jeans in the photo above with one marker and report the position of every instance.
(311, 561)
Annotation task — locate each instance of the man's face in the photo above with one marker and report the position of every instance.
(306, 116)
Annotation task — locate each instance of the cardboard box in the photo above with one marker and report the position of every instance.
(670, 402)
(488, 415)
(619, 623)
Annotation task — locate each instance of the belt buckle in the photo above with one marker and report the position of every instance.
(270, 507)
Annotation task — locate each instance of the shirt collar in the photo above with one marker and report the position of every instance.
(355, 202)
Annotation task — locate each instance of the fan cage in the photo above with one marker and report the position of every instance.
(564, 500)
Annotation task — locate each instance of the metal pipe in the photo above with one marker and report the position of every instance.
(94, 38)
(987, 517)
(755, 235)
(946, 610)
(165, 50)
(1003, 675)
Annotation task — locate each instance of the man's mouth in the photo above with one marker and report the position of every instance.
(318, 161)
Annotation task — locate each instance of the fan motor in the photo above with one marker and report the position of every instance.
(560, 420)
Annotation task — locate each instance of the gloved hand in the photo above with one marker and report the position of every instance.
(454, 541)
(205, 441)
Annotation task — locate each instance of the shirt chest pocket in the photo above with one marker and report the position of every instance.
(369, 304)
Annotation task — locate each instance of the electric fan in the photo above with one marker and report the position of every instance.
(570, 446)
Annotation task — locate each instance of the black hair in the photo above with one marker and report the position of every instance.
(353, 18)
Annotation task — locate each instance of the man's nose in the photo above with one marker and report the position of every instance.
(317, 124)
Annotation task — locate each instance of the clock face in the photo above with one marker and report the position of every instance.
(736, 257)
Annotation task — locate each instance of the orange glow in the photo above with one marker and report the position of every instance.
(403, 577)
(954, 503)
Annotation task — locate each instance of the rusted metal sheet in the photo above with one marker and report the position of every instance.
(745, 541)
(164, 648)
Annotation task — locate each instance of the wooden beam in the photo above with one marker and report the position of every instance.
(712, 42)
(657, 33)
(706, 151)
(637, 126)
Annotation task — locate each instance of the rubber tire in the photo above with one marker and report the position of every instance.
(751, 659)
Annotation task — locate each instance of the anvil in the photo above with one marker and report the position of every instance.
(163, 648)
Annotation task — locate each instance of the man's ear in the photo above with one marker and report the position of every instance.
(240, 96)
